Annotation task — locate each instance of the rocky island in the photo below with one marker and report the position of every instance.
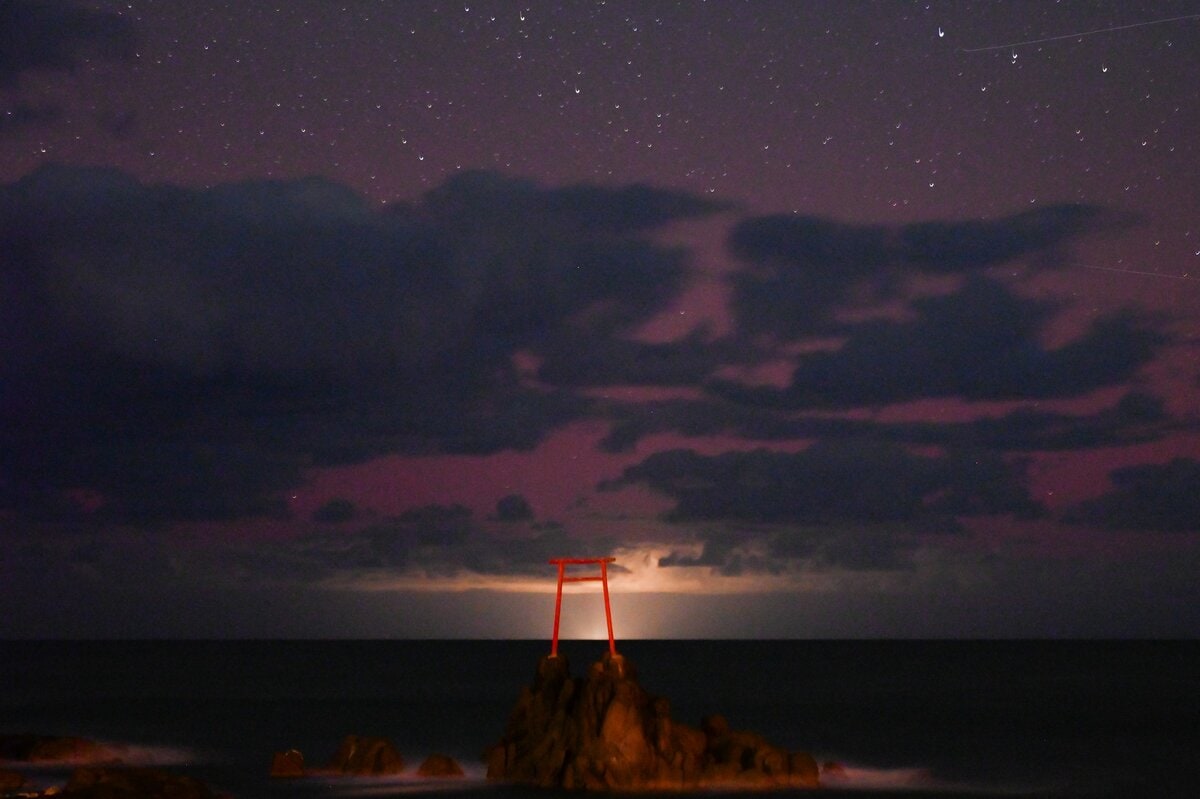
(605, 732)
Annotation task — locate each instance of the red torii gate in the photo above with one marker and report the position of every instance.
(602, 578)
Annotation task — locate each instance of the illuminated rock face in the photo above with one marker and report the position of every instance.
(604, 732)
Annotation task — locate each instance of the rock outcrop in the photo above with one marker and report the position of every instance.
(287, 765)
(11, 781)
(437, 765)
(365, 756)
(133, 783)
(357, 756)
(605, 732)
(27, 748)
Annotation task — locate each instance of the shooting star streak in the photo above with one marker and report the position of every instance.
(1137, 272)
(1080, 34)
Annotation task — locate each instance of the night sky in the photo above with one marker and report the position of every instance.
(826, 319)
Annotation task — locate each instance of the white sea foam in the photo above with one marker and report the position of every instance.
(878, 779)
(868, 778)
(403, 783)
(153, 755)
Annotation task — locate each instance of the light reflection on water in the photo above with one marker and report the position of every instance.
(390, 786)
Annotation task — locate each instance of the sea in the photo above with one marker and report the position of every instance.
(904, 718)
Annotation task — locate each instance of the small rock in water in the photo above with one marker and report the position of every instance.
(289, 764)
(437, 765)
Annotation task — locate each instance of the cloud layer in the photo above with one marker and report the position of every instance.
(186, 353)
(39, 38)
(56, 36)
(178, 355)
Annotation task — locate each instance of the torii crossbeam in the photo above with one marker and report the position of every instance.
(602, 578)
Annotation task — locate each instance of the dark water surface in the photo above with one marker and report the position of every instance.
(909, 718)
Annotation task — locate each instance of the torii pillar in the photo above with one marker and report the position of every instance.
(602, 578)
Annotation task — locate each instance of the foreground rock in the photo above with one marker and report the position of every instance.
(11, 781)
(439, 766)
(28, 748)
(133, 783)
(604, 732)
(365, 756)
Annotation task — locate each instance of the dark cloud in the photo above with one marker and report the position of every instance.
(971, 244)
(781, 548)
(58, 36)
(533, 263)
(833, 483)
(120, 123)
(727, 552)
(620, 361)
(1152, 497)
(22, 114)
(622, 210)
(981, 342)
(444, 541)
(52, 559)
(429, 525)
(178, 354)
(388, 546)
(1136, 417)
(188, 353)
(335, 511)
(627, 209)
(514, 508)
(1138, 595)
(853, 548)
(802, 269)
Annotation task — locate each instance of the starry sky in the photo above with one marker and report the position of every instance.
(339, 319)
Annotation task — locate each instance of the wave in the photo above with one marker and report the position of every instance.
(404, 783)
(857, 778)
(878, 779)
(474, 777)
(154, 755)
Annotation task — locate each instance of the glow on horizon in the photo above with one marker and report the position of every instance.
(637, 572)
